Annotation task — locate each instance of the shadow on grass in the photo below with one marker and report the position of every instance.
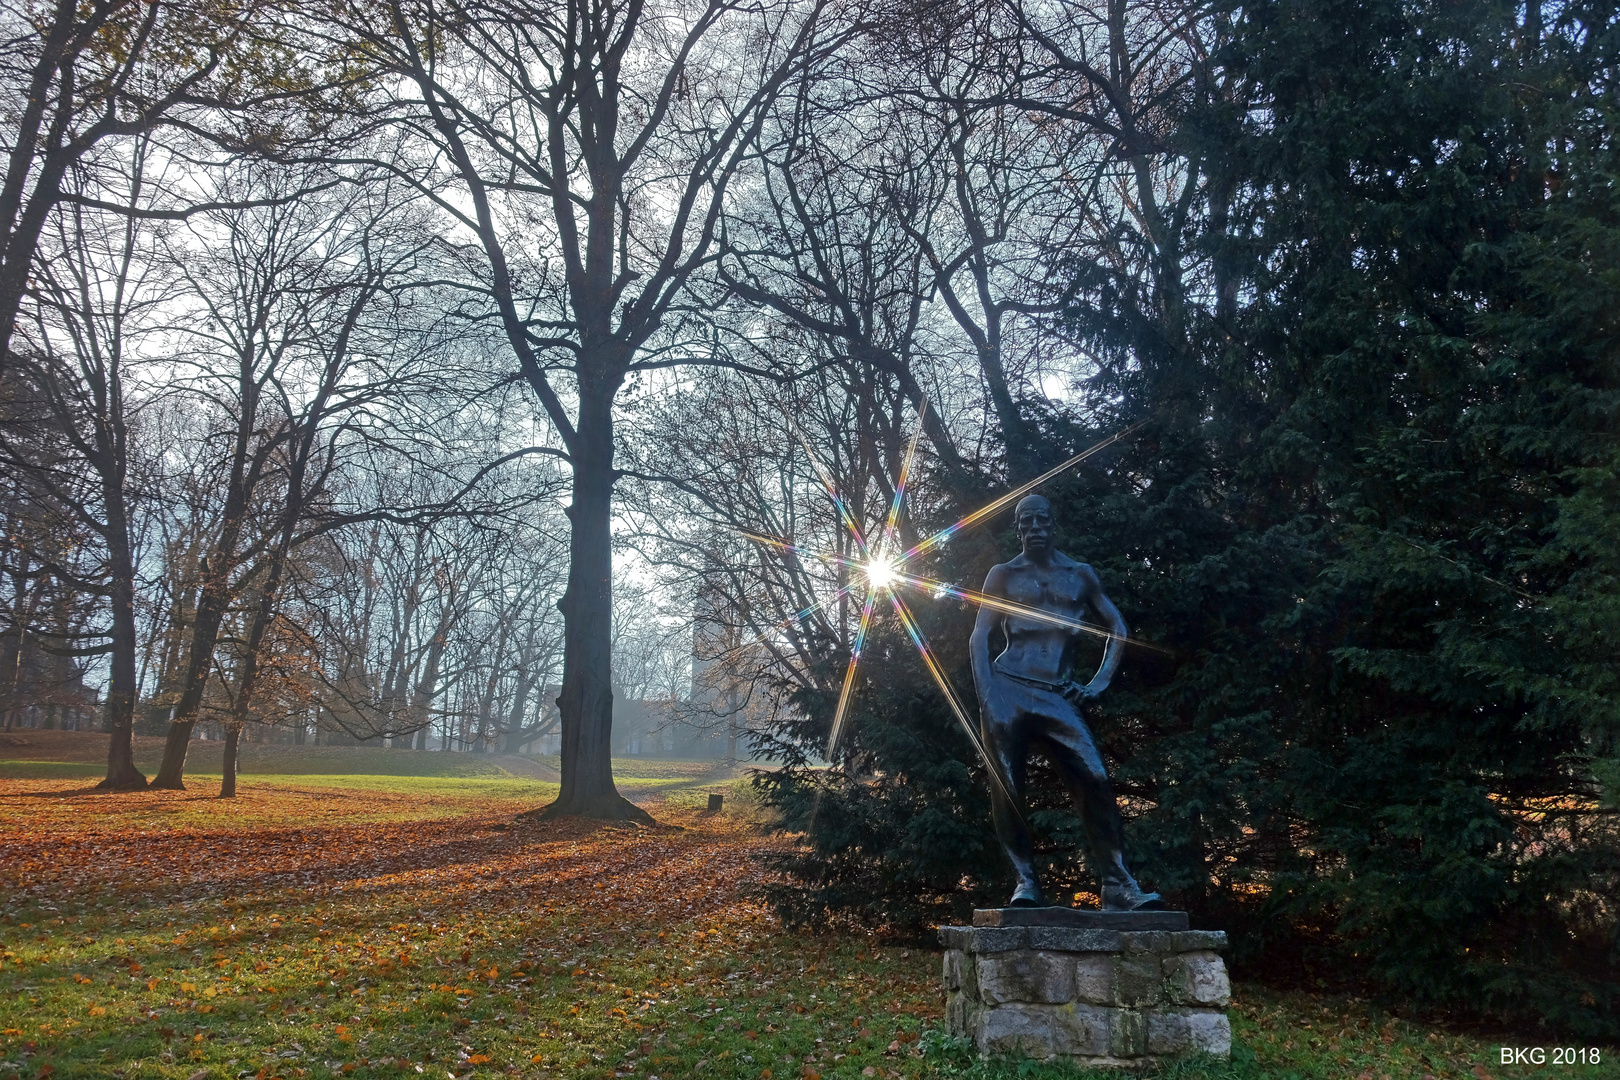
(93, 790)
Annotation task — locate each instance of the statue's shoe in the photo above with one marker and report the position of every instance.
(1130, 898)
(1028, 894)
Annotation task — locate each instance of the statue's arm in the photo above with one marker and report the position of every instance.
(995, 584)
(1114, 652)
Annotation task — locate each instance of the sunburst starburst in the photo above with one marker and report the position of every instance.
(884, 569)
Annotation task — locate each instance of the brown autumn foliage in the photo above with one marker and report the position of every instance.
(323, 841)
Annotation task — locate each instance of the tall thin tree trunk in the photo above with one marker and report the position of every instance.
(210, 613)
(520, 704)
(586, 701)
(227, 787)
(214, 596)
(731, 722)
(242, 707)
(122, 775)
(427, 687)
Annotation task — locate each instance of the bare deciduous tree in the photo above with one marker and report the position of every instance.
(586, 152)
(97, 295)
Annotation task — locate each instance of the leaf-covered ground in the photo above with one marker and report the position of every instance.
(383, 926)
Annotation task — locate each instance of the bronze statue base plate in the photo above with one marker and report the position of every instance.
(1081, 918)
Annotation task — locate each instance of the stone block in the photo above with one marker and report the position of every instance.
(1043, 1031)
(1025, 976)
(1069, 939)
(1018, 1029)
(1138, 979)
(1127, 1033)
(984, 939)
(1086, 1029)
(1196, 978)
(962, 1015)
(1140, 941)
(1212, 1032)
(1094, 979)
(952, 973)
(1188, 1031)
(1000, 939)
(988, 939)
(1191, 940)
(1083, 918)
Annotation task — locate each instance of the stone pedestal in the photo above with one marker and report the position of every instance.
(1100, 988)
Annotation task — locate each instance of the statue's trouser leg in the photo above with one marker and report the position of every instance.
(1004, 740)
(1074, 753)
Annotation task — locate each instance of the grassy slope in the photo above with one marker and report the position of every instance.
(372, 924)
(429, 774)
(87, 751)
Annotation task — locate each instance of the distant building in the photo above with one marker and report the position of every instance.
(713, 721)
(643, 729)
(728, 662)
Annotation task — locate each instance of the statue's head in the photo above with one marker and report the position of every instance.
(1034, 514)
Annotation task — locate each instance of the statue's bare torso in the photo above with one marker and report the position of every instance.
(1039, 650)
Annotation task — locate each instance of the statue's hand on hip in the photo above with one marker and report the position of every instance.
(1078, 692)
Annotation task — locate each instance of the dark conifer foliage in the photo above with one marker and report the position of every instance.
(1371, 525)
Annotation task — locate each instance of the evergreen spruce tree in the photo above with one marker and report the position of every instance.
(1370, 531)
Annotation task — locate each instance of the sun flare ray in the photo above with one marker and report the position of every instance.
(938, 589)
(945, 535)
(787, 545)
(892, 525)
(798, 616)
(914, 632)
(849, 673)
(831, 485)
(883, 569)
(1006, 607)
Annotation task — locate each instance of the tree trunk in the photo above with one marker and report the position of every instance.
(427, 687)
(732, 708)
(122, 775)
(586, 701)
(515, 729)
(242, 707)
(214, 595)
(227, 787)
(210, 612)
(172, 769)
(171, 658)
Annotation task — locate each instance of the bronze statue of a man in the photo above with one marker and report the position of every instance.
(1027, 701)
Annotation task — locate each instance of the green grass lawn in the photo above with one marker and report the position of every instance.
(372, 924)
(542, 991)
(490, 784)
(205, 759)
